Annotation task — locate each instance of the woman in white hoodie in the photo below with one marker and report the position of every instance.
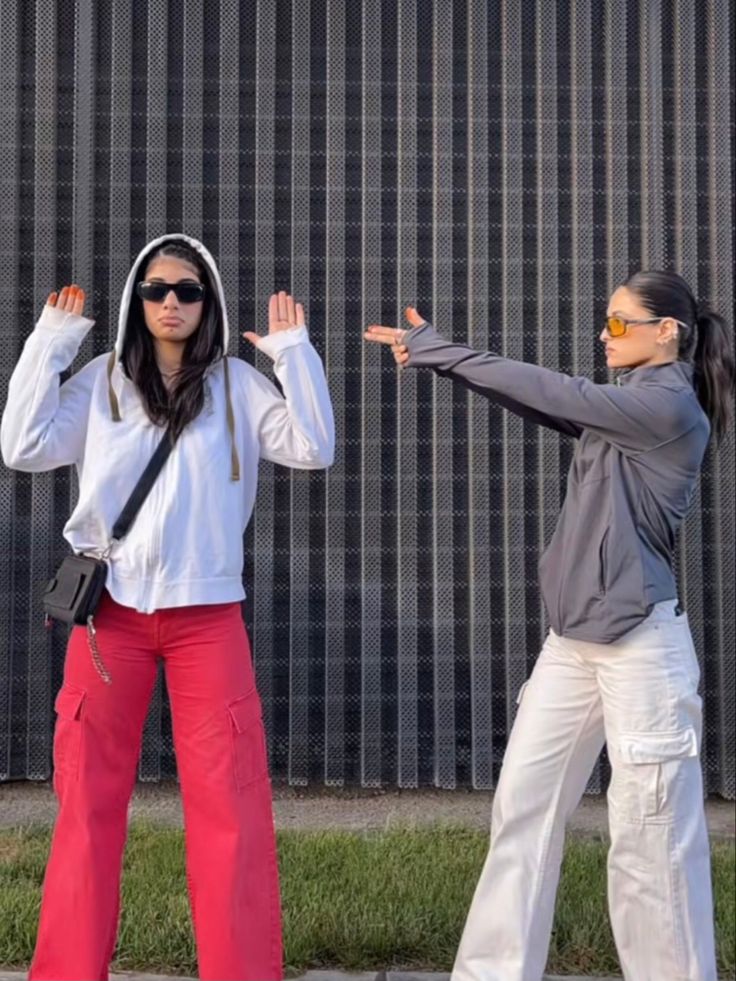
(174, 590)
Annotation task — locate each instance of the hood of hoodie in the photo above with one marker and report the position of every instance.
(134, 276)
(115, 359)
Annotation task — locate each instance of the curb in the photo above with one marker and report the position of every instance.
(9, 975)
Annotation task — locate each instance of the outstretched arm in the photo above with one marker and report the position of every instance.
(44, 424)
(397, 339)
(636, 418)
(298, 429)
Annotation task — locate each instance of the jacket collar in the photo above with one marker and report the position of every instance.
(672, 373)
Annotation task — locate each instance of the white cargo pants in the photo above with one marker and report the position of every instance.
(639, 695)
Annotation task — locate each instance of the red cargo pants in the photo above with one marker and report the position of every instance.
(226, 793)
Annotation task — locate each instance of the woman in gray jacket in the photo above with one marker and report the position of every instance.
(619, 664)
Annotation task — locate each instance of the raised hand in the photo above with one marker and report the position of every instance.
(70, 300)
(283, 314)
(395, 336)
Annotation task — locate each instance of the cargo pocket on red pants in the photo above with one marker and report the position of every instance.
(648, 764)
(68, 732)
(248, 738)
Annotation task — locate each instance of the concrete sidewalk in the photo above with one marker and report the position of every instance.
(319, 808)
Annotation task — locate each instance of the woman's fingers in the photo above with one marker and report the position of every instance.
(414, 317)
(392, 336)
(383, 335)
(71, 298)
(273, 312)
(386, 335)
(284, 312)
(79, 303)
(291, 313)
(400, 353)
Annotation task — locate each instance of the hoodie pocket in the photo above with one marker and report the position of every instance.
(248, 739)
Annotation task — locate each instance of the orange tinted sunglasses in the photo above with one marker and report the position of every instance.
(617, 326)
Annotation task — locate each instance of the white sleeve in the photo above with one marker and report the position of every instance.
(297, 430)
(44, 424)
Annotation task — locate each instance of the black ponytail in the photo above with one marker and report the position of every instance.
(714, 370)
(703, 341)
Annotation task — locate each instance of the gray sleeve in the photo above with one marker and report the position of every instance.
(564, 426)
(635, 418)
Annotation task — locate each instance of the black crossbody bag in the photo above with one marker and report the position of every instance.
(73, 594)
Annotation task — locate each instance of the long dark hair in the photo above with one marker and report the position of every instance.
(178, 407)
(704, 341)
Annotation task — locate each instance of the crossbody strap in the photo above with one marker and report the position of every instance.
(141, 490)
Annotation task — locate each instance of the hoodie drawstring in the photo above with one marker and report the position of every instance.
(114, 405)
(234, 460)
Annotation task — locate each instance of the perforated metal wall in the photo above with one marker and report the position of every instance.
(502, 165)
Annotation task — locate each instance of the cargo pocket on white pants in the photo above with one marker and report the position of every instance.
(248, 739)
(646, 767)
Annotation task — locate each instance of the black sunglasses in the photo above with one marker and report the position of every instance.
(185, 292)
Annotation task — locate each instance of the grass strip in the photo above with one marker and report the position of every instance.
(352, 901)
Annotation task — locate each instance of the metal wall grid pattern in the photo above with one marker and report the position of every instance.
(503, 166)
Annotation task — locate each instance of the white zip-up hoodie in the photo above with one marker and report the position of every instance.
(186, 544)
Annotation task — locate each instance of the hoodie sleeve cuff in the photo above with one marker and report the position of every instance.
(274, 344)
(416, 339)
(68, 323)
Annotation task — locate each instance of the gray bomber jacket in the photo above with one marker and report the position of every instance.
(640, 446)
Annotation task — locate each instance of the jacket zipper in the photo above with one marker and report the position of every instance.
(560, 589)
(602, 563)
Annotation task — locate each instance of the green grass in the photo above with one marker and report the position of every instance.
(352, 901)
